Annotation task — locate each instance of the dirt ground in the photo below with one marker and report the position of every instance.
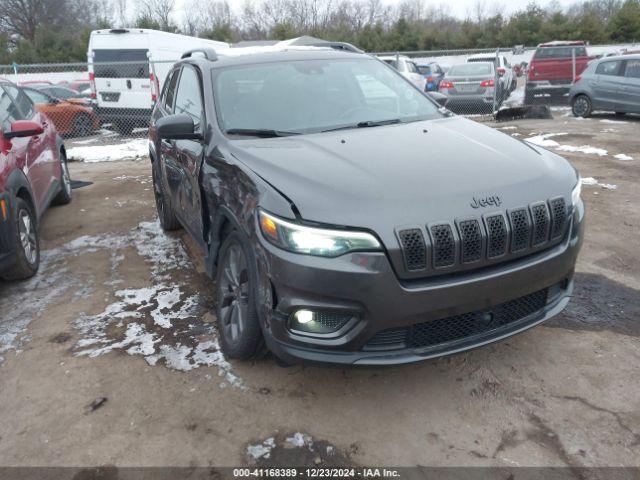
(109, 356)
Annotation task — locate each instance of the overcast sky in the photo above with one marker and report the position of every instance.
(458, 8)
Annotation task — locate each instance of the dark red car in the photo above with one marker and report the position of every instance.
(33, 174)
(553, 69)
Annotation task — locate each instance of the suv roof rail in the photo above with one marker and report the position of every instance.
(208, 53)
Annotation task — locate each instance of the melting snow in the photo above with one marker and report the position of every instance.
(543, 140)
(131, 150)
(606, 120)
(262, 449)
(622, 156)
(590, 181)
(547, 142)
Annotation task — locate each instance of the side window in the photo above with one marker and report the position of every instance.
(188, 95)
(37, 97)
(633, 69)
(22, 101)
(9, 113)
(608, 68)
(170, 90)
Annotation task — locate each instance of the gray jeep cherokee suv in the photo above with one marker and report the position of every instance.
(347, 219)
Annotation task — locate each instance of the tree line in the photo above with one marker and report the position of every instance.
(44, 31)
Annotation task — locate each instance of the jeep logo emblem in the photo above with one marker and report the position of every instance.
(493, 200)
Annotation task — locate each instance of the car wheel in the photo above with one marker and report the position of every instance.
(64, 195)
(237, 290)
(82, 125)
(27, 243)
(581, 106)
(166, 214)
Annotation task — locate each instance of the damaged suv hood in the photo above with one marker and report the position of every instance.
(384, 177)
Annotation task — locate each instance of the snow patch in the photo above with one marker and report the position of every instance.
(622, 156)
(130, 150)
(590, 181)
(262, 449)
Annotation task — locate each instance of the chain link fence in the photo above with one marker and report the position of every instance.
(109, 101)
(93, 101)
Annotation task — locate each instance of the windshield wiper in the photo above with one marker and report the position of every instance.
(260, 132)
(366, 124)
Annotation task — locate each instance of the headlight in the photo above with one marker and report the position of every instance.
(575, 194)
(314, 241)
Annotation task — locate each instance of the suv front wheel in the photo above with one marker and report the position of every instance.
(237, 290)
(26, 241)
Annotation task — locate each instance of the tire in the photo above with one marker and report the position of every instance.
(66, 193)
(166, 214)
(82, 125)
(581, 106)
(27, 243)
(124, 128)
(236, 299)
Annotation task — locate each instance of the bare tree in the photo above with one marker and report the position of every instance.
(158, 11)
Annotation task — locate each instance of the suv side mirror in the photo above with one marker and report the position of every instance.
(23, 128)
(177, 127)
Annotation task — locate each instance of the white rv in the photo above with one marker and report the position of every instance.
(127, 68)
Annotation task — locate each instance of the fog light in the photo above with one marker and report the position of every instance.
(303, 316)
(321, 323)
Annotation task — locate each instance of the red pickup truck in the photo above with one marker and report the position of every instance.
(551, 72)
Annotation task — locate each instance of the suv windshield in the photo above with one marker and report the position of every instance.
(316, 95)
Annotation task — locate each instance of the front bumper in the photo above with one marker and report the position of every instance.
(546, 93)
(365, 285)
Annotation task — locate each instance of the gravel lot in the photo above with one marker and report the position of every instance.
(110, 357)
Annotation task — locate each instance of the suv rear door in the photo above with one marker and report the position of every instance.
(122, 78)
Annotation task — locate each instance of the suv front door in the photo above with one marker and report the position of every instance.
(189, 153)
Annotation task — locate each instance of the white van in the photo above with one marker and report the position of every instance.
(407, 69)
(127, 68)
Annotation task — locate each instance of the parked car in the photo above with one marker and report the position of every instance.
(551, 71)
(126, 69)
(80, 86)
(34, 83)
(349, 228)
(70, 117)
(472, 88)
(610, 84)
(407, 69)
(64, 93)
(33, 174)
(503, 67)
(433, 74)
